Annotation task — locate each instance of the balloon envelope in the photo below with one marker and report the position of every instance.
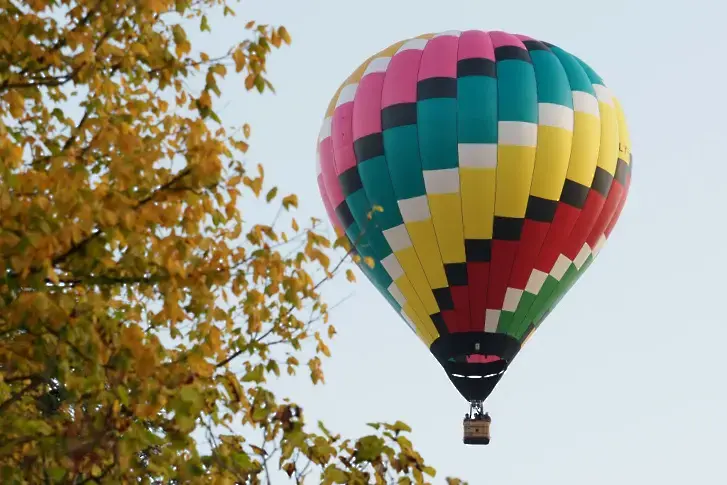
(482, 172)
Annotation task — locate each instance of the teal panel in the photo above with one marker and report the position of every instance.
(477, 109)
(376, 180)
(577, 77)
(381, 278)
(401, 145)
(437, 125)
(360, 209)
(553, 85)
(592, 75)
(517, 92)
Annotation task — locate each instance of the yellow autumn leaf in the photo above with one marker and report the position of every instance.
(290, 201)
(350, 276)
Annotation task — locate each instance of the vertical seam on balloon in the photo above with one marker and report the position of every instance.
(468, 323)
(371, 223)
(580, 214)
(426, 195)
(388, 169)
(516, 324)
(497, 166)
(362, 236)
(530, 188)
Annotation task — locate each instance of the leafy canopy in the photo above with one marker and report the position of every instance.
(137, 307)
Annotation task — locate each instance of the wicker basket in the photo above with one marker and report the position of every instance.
(476, 431)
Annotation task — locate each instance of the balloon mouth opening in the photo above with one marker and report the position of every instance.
(475, 358)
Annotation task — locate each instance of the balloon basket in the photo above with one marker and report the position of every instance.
(476, 426)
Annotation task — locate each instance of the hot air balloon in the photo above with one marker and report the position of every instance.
(482, 172)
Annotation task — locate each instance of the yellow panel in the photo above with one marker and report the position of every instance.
(624, 139)
(514, 174)
(478, 201)
(446, 212)
(412, 267)
(412, 298)
(608, 147)
(425, 242)
(551, 162)
(584, 153)
(421, 331)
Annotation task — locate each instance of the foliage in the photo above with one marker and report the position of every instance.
(137, 306)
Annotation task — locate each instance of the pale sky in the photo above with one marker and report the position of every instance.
(624, 382)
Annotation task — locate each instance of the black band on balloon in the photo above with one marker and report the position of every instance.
(465, 343)
(474, 381)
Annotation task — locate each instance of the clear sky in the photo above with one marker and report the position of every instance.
(624, 383)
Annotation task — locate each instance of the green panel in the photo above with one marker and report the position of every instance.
(508, 326)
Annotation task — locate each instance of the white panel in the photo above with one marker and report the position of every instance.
(444, 181)
(477, 155)
(347, 94)
(380, 64)
(585, 103)
(555, 115)
(413, 44)
(492, 318)
(560, 267)
(512, 299)
(397, 237)
(535, 282)
(414, 209)
(517, 133)
(392, 266)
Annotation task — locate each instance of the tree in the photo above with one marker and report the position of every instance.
(131, 287)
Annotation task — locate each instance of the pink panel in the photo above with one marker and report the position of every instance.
(342, 134)
(501, 39)
(400, 83)
(327, 204)
(367, 108)
(523, 37)
(481, 359)
(439, 58)
(475, 44)
(328, 169)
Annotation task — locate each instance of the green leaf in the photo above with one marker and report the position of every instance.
(56, 473)
(204, 25)
(334, 475)
(257, 374)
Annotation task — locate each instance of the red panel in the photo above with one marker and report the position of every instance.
(460, 296)
(503, 255)
(478, 275)
(621, 204)
(564, 220)
(609, 209)
(586, 221)
(531, 241)
(450, 319)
